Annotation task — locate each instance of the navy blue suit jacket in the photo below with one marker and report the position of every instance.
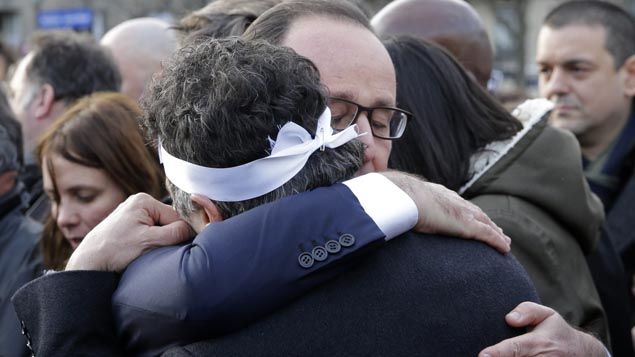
(255, 260)
(458, 289)
(237, 270)
(419, 295)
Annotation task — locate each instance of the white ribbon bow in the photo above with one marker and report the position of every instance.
(292, 149)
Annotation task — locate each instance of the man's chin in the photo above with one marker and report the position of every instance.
(572, 124)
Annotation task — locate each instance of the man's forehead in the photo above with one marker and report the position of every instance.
(572, 42)
(352, 61)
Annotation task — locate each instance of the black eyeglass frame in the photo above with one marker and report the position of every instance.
(369, 111)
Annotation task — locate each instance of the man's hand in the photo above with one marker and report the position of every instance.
(550, 336)
(442, 211)
(138, 225)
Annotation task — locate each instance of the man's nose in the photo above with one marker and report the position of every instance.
(556, 85)
(363, 125)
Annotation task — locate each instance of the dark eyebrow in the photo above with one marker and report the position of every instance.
(577, 62)
(569, 63)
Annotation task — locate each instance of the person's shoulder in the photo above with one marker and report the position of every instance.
(28, 227)
(449, 263)
(20, 236)
(441, 249)
(398, 297)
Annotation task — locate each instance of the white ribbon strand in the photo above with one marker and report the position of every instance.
(292, 149)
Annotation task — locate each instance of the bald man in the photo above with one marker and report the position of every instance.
(453, 24)
(138, 46)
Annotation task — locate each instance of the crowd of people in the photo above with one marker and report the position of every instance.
(292, 177)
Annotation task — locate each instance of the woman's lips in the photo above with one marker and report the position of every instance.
(75, 242)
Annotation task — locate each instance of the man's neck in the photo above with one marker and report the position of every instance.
(598, 140)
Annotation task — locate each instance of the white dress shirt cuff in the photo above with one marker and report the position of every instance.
(388, 206)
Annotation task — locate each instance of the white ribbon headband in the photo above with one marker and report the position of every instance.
(289, 154)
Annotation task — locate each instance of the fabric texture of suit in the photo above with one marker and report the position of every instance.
(223, 280)
(619, 221)
(436, 293)
(613, 279)
(419, 295)
(69, 313)
(612, 177)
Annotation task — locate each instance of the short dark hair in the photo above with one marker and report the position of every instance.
(73, 64)
(218, 101)
(454, 116)
(223, 18)
(618, 23)
(273, 25)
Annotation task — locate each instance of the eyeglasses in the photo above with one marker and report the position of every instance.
(385, 122)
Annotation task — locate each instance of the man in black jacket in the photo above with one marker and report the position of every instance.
(586, 58)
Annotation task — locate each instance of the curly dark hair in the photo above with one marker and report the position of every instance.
(217, 102)
(73, 64)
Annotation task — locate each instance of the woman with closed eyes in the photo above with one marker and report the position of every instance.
(92, 158)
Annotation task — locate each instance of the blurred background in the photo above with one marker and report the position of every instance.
(513, 26)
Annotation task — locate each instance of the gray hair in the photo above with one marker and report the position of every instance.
(218, 101)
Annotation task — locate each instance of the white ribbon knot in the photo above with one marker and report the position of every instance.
(292, 149)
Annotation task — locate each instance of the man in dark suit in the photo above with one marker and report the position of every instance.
(399, 287)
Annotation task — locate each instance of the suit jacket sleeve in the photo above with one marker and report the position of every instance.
(237, 270)
(68, 314)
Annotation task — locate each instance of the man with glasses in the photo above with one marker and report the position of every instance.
(357, 70)
(386, 123)
(407, 278)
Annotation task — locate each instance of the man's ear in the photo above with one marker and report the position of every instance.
(44, 101)
(629, 71)
(211, 212)
(7, 181)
